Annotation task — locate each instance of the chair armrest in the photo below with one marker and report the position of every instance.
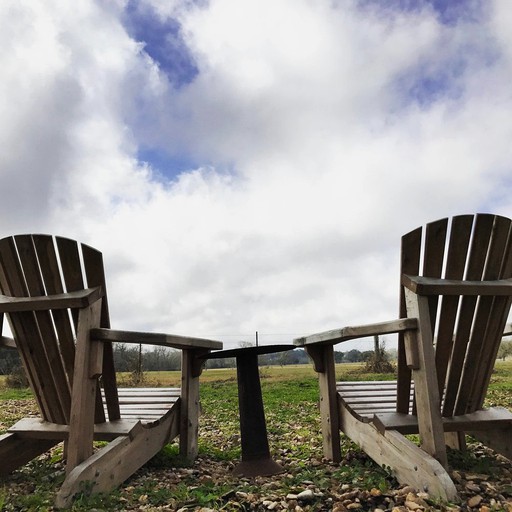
(78, 299)
(149, 338)
(361, 331)
(433, 286)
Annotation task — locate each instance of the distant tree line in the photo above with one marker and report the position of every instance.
(128, 358)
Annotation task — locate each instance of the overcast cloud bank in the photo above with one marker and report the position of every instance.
(296, 142)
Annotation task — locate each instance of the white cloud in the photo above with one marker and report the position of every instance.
(319, 142)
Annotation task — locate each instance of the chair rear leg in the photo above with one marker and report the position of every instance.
(16, 451)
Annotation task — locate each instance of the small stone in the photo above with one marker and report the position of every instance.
(412, 505)
(456, 476)
(291, 496)
(406, 490)
(474, 501)
(485, 508)
(307, 495)
(477, 477)
(375, 492)
(354, 506)
(472, 487)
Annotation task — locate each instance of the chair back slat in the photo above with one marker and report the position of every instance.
(489, 318)
(38, 265)
(30, 266)
(466, 330)
(435, 237)
(29, 340)
(456, 258)
(95, 275)
(48, 262)
(69, 259)
(482, 231)
(409, 264)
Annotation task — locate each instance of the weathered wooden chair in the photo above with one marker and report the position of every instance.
(453, 313)
(55, 300)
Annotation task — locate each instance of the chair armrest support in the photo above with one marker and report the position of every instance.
(433, 286)
(150, 338)
(360, 331)
(77, 299)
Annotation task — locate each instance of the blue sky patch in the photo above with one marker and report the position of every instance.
(164, 163)
(163, 42)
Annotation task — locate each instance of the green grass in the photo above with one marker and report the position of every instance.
(290, 396)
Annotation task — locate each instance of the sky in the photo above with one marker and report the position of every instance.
(250, 165)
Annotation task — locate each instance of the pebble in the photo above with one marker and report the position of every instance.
(412, 505)
(472, 487)
(307, 495)
(474, 501)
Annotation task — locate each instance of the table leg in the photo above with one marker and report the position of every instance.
(256, 460)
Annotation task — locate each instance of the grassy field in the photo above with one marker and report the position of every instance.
(290, 395)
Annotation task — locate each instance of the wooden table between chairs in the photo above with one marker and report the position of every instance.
(256, 459)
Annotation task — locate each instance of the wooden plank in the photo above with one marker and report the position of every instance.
(460, 235)
(40, 429)
(329, 405)
(45, 249)
(84, 391)
(16, 452)
(410, 253)
(189, 413)
(95, 275)
(77, 299)
(103, 471)
(69, 259)
(426, 384)
(50, 346)
(26, 332)
(408, 463)
(476, 261)
(433, 256)
(429, 286)
(496, 417)
(489, 323)
(484, 337)
(151, 338)
(361, 331)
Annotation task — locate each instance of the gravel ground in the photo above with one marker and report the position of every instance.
(309, 483)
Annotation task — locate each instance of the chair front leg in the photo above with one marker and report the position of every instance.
(189, 413)
(426, 388)
(323, 361)
(85, 382)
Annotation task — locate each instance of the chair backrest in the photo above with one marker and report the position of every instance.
(467, 330)
(40, 265)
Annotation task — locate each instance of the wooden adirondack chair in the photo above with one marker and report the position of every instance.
(55, 299)
(453, 314)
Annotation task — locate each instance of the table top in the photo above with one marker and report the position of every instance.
(259, 350)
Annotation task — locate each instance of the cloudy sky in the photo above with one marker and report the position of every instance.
(250, 165)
